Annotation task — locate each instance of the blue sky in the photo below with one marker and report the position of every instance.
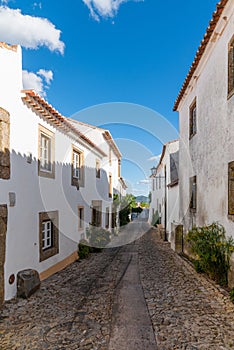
(133, 52)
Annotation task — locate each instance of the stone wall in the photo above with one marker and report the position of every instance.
(3, 231)
(4, 144)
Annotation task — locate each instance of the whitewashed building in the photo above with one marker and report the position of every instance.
(206, 120)
(54, 180)
(108, 168)
(164, 206)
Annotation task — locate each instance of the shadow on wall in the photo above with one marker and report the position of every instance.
(28, 193)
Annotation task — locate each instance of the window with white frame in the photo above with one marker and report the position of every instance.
(77, 168)
(76, 162)
(47, 234)
(45, 153)
(46, 166)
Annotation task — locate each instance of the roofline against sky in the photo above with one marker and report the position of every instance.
(206, 39)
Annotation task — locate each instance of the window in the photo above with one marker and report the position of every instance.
(156, 183)
(153, 184)
(98, 170)
(159, 180)
(193, 193)
(110, 186)
(76, 164)
(231, 68)
(5, 158)
(77, 168)
(107, 217)
(46, 166)
(48, 234)
(80, 218)
(97, 213)
(119, 168)
(110, 156)
(45, 153)
(193, 120)
(231, 188)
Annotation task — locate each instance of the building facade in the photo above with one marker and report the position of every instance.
(164, 206)
(53, 181)
(206, 120)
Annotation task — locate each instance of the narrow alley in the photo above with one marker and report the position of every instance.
(138, 296)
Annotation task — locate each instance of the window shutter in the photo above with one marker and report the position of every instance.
(231, 188)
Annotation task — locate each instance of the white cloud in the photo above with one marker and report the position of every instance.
(28, 31)
(47, 75)
(144, 182)
(104, 8)
(39, 81)
(155, 158)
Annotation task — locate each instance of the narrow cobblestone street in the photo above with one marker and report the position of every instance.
(99, 303)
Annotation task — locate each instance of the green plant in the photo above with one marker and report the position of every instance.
(155, 219)
(212, 251)
(98, 237)
(231, 294)
(83, 249)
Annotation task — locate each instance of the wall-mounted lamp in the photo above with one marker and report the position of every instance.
(153, 171)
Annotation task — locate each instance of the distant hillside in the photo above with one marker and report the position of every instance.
(142, 199)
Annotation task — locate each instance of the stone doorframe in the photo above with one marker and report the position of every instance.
(3, 232)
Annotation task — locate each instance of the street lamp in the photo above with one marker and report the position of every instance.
(154, 171)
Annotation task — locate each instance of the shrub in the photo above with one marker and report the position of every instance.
(98, 236)
(155, 219)
(83, 249)
(212, 251)
(231, 294)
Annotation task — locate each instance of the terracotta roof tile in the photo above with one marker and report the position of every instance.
(38, 104)
(8, 47)
(212, 25)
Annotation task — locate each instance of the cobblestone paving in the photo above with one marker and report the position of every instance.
(187, 311)
(74, 308)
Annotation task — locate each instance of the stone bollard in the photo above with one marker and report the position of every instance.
(28, 281)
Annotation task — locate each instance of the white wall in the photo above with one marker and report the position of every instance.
(36, 194)
(208, 153)
(161, 192)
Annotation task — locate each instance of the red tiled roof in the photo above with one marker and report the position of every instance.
(106, 134)
(212, 25)
(8, 47)
(109, 139)
(39, 105)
